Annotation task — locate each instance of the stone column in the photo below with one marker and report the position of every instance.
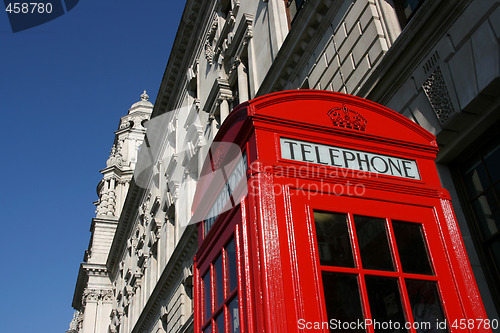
(105, 306)
(242, 82)
(224, 110)
(90, 299)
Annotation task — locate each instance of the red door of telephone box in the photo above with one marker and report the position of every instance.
(332, 218)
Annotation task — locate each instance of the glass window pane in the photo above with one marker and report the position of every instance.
(220, 323)
(234, 316)
(475, 178)
(411, 247)
(334, 245)
(373, 243)
(342, 297)
(231, 265)
(409, 6)
(425, 304)
(219, 282)
(495, 252)
(207, 296)
(492, 159)
(385, 302)
(487, 213)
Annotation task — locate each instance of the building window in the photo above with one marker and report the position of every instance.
(478, 180)
(405, 10)
(220, 293)
(379, 264)
(292, 9)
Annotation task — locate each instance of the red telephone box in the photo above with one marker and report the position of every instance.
(332, 219)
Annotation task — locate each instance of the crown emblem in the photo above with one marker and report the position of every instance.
(217, 157)
(344, 117)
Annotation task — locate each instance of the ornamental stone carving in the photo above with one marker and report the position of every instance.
(107, 296)
(210, 39)
(209, 52)
(90, 295)
(437, 93)
(76, 323)
(115, 156)
(96, 295)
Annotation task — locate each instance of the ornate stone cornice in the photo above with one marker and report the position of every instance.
(84, 272)
(95, 269)
(189, 35)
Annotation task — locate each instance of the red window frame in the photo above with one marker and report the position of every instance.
(220, 244)
(389, 211)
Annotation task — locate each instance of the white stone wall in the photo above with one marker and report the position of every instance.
(349, 49)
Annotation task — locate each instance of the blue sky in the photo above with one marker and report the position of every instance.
(63, 87)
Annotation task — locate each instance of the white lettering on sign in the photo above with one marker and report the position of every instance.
(352, 159)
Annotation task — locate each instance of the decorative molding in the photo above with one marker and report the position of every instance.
(233, 69)
(95, 269)
(236, 6)
(220, 91)
(225, 37)
(193, 141)
(192, 75)
(347, 118)
(189, 36)
(172, 164)
(96, 295)
(107, 296)
(243, 33)
(183, 253)
(437, 93)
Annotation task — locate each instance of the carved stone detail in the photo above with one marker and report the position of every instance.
(96, 295)
(437, 93)
(107, 296)
(236, 6)
(241, 37)
(210, 38)
(209, 52)
(76, 323)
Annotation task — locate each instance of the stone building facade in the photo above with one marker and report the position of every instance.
(436, 62)
(94, 293)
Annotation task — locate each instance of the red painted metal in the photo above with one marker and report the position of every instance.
(279, 272)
